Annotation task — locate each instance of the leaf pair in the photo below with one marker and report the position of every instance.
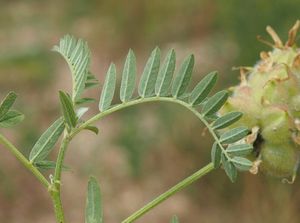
(233, 157)
(9, 118)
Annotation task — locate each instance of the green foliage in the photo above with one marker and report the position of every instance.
(46, 142)
(108, 88)
(68, 110)
(9, 118)
(148, 78)
(165, 74)
(156, 84)
(77, 55)
(183, 77)
(93, 210)
(128, 77)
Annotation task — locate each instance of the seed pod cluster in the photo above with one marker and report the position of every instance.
(269, 97)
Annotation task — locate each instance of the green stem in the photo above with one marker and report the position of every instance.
(56, 184)
(178, 187)
(10, 147)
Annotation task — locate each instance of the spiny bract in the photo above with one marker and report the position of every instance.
(269, 97)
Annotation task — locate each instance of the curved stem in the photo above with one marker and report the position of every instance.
(146, 100)
(10, 147)
(178, 187)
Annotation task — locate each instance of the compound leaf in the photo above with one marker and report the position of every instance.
(77, 55)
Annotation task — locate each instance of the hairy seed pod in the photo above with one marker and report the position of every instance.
(269, 97)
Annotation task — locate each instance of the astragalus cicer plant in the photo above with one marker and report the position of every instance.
(233, 136)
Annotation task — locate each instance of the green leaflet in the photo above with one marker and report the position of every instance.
(174, 219)
(242, 163)
(128, 77)
(148, 79)
(46, 142)
(239, 149)
(203, 88)
(91, 81)
(216, 153)
(214, 103)
(7, 102)
(48, 165)
(77, 55)
(11, 118)
(229, 168)
(234, 135)
(108, 90)
(93, 210)
(92, 128)
(164, 78)
(68, 110)
(84, 101)
(227, 120)
(183, 77)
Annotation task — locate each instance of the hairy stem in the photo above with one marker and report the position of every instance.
(173, 190)
(10, 147)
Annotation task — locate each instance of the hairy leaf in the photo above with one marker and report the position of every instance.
(229, 168)
(183, 77)
(93, 210)
(203, 88)
(77, 55)
(242, 163)
(148, 79)
(46, 142)
(128, 77)
(214, 103)
(108, 90)
(240, 149)
(7, 102)
(227, 120)
(11, 118)
(68, 110)
(234, 135)
(164, 78)
(216, 153)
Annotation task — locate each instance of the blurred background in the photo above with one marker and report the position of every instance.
(141, 151)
